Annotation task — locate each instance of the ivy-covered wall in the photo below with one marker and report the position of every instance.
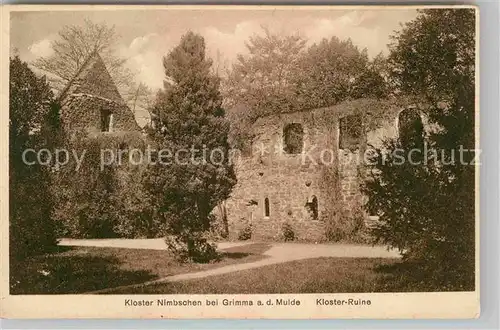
(92, 94)
(111, 199)
(83, 111)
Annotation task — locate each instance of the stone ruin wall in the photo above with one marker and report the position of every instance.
(289, 181)
(83, 111)
(82, 102)
(90, 93)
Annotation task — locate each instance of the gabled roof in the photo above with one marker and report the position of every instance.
(92, 79)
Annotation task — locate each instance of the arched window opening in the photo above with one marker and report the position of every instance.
(293, 137)
(312, 208)
(266, 207)
(411, 129)
(350, 132)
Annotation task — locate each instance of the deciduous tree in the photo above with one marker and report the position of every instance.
(280, 74)
(427, 209)
(264, 79)
(33, 124)
(74, 45)
(334, 70)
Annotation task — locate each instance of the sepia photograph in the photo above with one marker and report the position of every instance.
(319, 157)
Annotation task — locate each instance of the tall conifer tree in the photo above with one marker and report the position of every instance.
(191, 125)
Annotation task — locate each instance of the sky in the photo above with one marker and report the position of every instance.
(145, 36)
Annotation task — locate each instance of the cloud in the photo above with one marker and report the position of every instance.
(366, 29)
(41, 48)
(230, 44)
(140, 43)
(144, 56)
(349, 26)
(145, 53)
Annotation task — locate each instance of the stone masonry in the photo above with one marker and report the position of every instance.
(305, 169)
(275, 187)
(91, 101)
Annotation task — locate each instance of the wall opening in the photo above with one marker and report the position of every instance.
(312, 208)
(410, 128)
(293, 138)
(351, 132)
(266, 207)
(105, 121)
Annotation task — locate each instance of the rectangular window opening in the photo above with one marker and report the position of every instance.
(106, 121)
(266, 207)
(350, 132)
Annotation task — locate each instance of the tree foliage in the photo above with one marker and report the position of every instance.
(262, 82)
(372, 81)
(33, 124)
(191, 124)
(75, 44)
(280, 74)
(334, 70)
(96, 211)
(434, 55)
(140, 96)
(112, 202)
(427, 208)
(264, 78)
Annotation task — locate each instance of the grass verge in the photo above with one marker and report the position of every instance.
(71, 270)
(319, 275)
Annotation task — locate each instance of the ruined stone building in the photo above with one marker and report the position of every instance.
(306, 168)
(91, 101)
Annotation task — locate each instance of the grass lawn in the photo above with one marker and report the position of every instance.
(81, 269)
(319, 275)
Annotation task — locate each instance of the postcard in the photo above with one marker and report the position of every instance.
(240, 162)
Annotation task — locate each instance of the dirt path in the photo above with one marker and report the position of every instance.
(278, 253)
(134, 243)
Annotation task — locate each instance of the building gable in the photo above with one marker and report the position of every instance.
(92, 94)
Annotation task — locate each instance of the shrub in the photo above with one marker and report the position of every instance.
(217, 231)
(245, 233)
(429, 220)
(138, 216)
(192, 247)
(349, 226)
(287, 232)
(111, 202)
(87, 199)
